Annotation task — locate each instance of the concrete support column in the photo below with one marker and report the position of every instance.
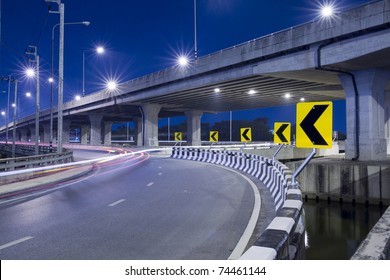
(65, 131)
(387, 119)
(84, 134)
(46, 133)
(107, 133)
(370, 143)
(150, 124)
(194, 127)
(96, 130)
(138, 131)
(32, 134)
(23, 135)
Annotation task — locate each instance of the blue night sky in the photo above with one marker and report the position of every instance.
(140, 37)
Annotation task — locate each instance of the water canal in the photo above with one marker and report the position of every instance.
(335, 231)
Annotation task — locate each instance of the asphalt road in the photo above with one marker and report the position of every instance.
(135, 208)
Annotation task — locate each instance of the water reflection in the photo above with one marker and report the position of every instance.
(335, 231)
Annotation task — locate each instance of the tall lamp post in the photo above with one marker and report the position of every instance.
(32, 73)
(13, 80)
(8, 79)
(51, 79)
(195, 39)
(14, 119)
(99, 50)
(61, 11)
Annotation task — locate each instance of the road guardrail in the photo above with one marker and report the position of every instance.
(284, 238)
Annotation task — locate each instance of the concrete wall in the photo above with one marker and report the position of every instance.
(376, 246)
(350, 181)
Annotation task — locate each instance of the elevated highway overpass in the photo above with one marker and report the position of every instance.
(343, 58)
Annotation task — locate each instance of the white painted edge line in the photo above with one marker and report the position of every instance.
(243, 242)
(117, 202)
(12, 243)
(159, 174)
(259, 253)
(150, 184)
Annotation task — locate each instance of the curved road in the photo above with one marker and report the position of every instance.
(138, 207)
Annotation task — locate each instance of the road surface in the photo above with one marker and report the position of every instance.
(138, 207)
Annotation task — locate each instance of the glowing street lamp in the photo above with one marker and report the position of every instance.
(99, 50)
(327, 11)
(30, 72)
(111, 85)
(182, 61)
(77, 97)
(28, 94)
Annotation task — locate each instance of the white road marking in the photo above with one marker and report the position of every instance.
(117, 202)
(243, 242)
(150, 184)
(12, 243)
(159, 167)
(159, 174)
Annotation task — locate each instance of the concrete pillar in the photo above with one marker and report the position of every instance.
(387, 119)
(107, 133)
(194, 127)
(96, 130)
(46, 133)
(84, 134)
(138, 131)
(23, 135)
(32, 134)
(150, 124)
(65, 131)
(371, 144)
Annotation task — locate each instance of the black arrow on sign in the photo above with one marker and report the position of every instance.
(279, 132)
(213, 136)
(177, 136)
(244, 134)
(308, 125)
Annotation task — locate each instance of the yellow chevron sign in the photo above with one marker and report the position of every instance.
(178, 136)
(282, 133)
(213, 136)
(314, 125)
(246, 134)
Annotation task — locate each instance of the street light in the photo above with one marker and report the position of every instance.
(31, 73)
(51, 79)
(327, 11)
(9, 80)
(99, 50)
(111, 85)
(182, 61)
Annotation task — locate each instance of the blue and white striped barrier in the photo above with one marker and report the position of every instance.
(284, 236)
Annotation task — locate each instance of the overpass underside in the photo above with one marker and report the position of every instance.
(345, 58)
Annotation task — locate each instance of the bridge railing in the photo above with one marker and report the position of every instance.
(45, 157)
(284, 236)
